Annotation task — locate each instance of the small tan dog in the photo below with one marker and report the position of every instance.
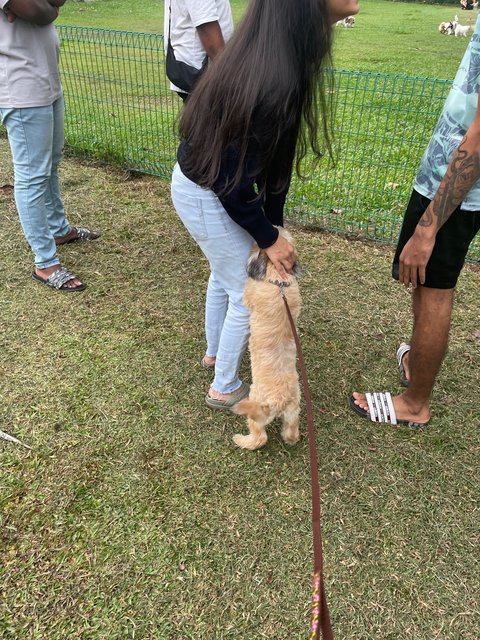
(275, 391)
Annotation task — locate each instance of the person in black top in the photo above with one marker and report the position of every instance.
(255, 112)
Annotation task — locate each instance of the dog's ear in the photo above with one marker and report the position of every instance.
(297, 270)
(257, 265)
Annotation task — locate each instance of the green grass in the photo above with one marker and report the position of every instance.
(389, 37)
(135, 518)
(145, 16)
(402, 38)
(120, 109)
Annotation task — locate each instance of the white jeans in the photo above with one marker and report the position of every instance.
(226, 246)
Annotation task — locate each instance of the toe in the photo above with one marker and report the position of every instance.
(360, 400)
(72, 284)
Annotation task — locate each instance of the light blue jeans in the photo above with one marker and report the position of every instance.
(226, 246)
(36, 137)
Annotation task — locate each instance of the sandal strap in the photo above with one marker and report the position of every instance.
(84, 234)
(380, 407)
(60, 277)
(401, 351)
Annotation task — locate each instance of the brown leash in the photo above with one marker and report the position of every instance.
(320, 613)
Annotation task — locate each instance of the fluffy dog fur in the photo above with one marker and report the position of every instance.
(275, 390)
(346, 22)
(448, 28)
(454, 27)
(461, 30)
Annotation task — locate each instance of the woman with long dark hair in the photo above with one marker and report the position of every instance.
(255, 112)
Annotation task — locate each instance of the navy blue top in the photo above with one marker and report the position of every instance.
(257, 215)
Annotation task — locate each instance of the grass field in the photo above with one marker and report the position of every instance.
(144, 16)
(134, 517)
(389, 37)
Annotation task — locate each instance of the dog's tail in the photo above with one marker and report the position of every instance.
(257, 411)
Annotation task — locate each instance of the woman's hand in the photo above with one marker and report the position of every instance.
(282, 255)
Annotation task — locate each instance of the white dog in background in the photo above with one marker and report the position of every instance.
(462, 31)
(448, 28)
(346, 22)
(454, 27)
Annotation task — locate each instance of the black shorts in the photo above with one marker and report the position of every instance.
(451, 244)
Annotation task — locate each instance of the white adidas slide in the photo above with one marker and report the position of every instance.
(401, 351)
(381, 409)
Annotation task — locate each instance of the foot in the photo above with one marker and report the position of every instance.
(208, 362)
(405, 409)
(45, 273)
(406, 368)
(71, 235)
(223, 397)
(226, 401)
(403, 363)
(77, 234)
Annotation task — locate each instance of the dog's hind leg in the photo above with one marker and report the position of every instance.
(257, 437)
(290, 419)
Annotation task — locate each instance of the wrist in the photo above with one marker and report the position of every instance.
(427, 228)
(425, 233)
(269, 238)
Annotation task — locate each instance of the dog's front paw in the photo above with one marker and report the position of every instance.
(250, 442)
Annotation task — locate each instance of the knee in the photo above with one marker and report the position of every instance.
(31, 180)
(57, 157)
(239, 309)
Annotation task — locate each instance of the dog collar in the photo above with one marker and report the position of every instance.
(280, 283)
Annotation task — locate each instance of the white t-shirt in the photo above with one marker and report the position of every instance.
(29, 54)
(187, 15)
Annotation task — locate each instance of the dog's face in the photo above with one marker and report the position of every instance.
(258, 263)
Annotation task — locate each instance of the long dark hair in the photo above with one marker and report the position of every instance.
(273, 68)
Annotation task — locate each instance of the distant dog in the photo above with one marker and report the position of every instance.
(346, 22)
(275, 390)
(461, 31)
(448, 28)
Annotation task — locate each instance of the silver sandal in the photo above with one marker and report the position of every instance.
(58, 279)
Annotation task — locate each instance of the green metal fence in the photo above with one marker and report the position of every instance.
(120, 109)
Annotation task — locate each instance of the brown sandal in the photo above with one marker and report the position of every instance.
(83, 235)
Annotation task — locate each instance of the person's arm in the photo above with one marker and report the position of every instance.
(204, 15)
(211, 37)
(462, 173)
(40, 12)
(275, 198)
(245, 207)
